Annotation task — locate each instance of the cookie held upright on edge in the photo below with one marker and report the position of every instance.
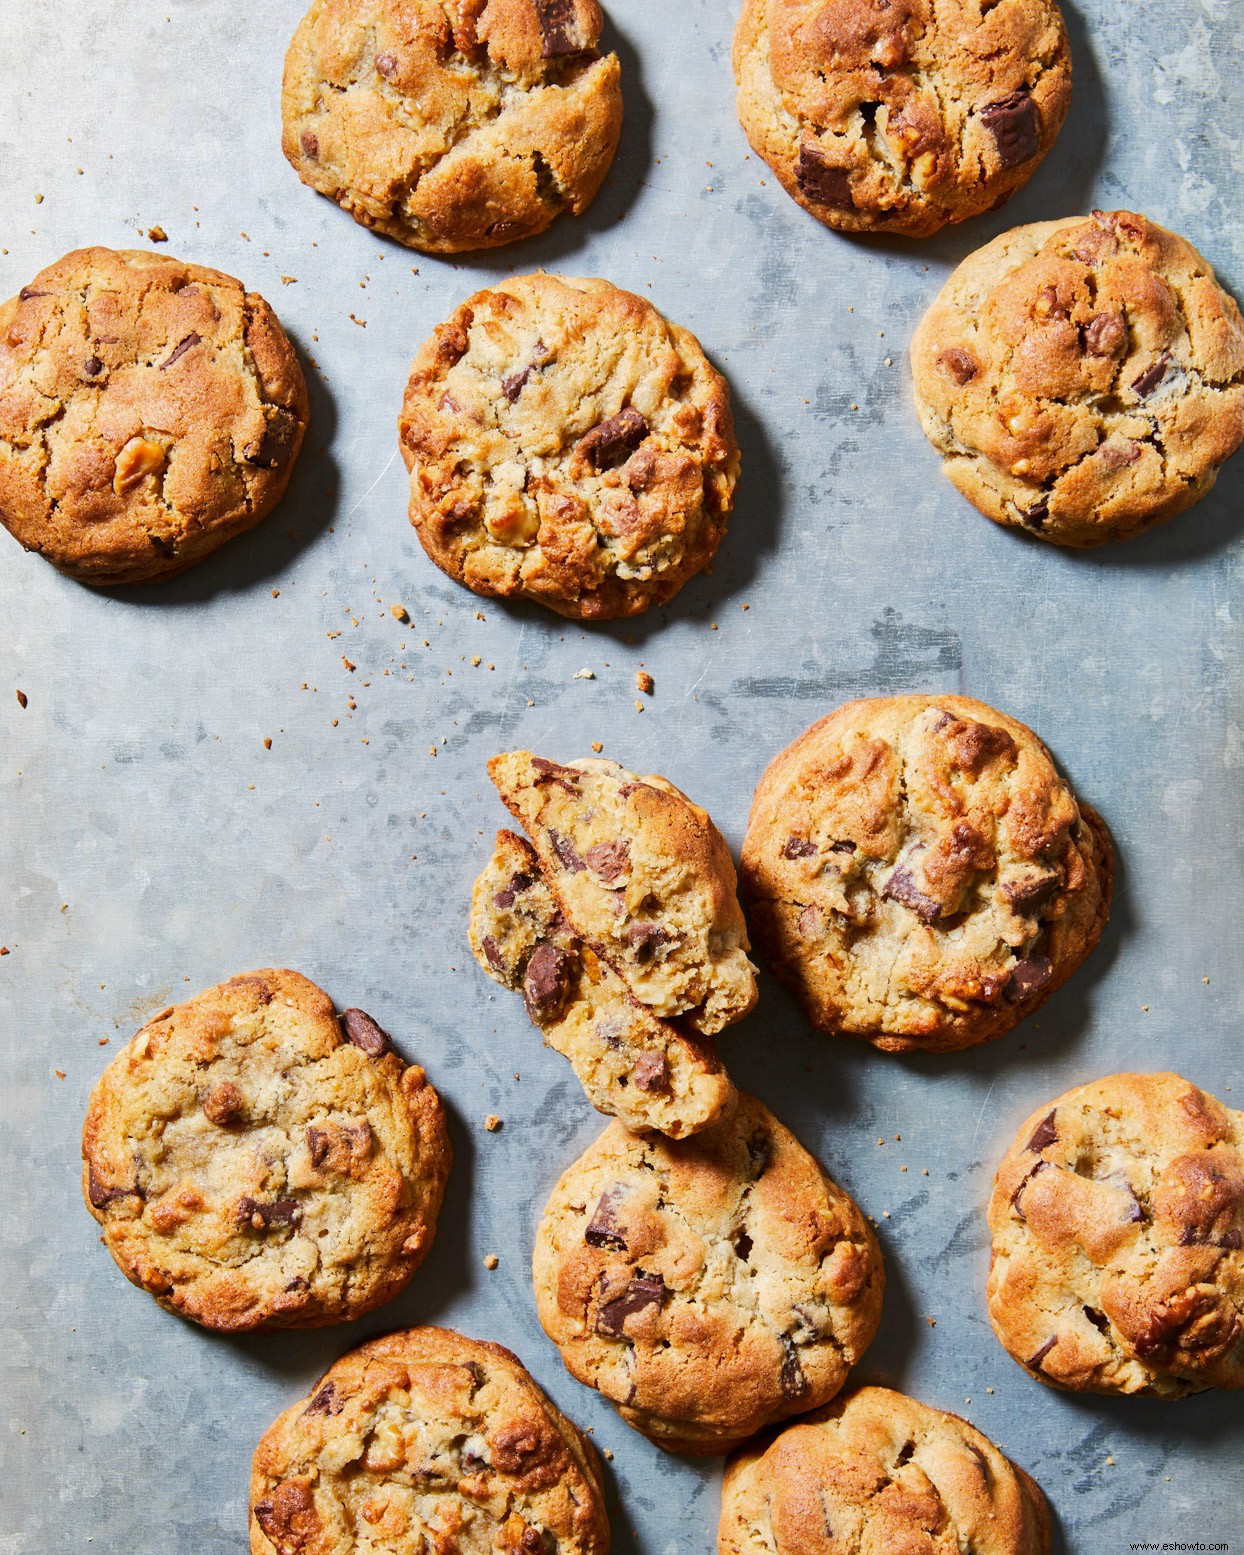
(568, 445)
(919, 873)
(452, 126)
(710, 1286)
(901, 115)
(1082, 379)
(1118, 1220)
(880, 1473)
(257, 1162)
(150, 410)
(426, 1440)
(652, 1073)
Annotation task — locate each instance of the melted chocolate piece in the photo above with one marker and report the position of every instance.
(179, 350)
(559, 28)
(821, 181)
(100, 1194)
(612, 441)
(92, 367)
(567, 853)
(603, 1229)
(1035, 1363)
(1145, 383)
(273, 449)
(798, 847)
(365, 1033)
(643, 1291)
(794, 1383)
(275, 1212)
(1031, 891)
(554, 772)
(652, 1072)
(1035, 517)
(1044, 1134)
(27, 292)
(546, 981)
(490, 948)
(512, 386)
(1098, 1319)
(1027, 978)
(645, 939)
(608, 859)
(901, 887)
(842, 847)
(326, 1401)
(1012, 121)
(520, 883)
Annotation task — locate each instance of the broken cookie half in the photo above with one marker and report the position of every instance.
(620, 925)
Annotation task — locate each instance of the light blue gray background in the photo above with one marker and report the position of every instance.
(154, 847)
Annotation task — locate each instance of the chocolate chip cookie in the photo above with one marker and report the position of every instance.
(452, 126)
(568, 445)
(919, 873)
(426, 1441)
(1084, 379)
(901, 115)
(880, 1473)
(1117, 1218)
(150, 410)
(709, 1286)
(257, 1162)
(652, 1073)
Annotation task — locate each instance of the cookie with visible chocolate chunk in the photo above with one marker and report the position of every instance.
(650, 1072)
(883, 1473)
(566, 444)
(708, 1286)
(427, 1440)
(1117, 1218)
(452, 127)
(901, 115)
(150, 410)
(256, 1161)
(1083, 380)
(919, 873)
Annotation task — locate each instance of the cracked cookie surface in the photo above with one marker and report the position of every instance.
(566, 444)
(651, 1073)
(426, 1440)
(876, 1473)
(1084, 379)
(257, 1162)
(150, 410)
(901, 115)
(1117, 1217)
(452, 125)
(918, 872)
(710, 1286)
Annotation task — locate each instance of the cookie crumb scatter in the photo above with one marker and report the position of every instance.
(645, 682)
(491, 1261)
(492, 1122)
(21, 702)
(399, 612)
(157, 235)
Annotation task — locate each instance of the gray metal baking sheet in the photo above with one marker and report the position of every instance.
(150, 844)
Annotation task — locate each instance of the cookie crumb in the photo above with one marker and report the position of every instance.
(645, 682)
(492, 1122)
(267, 744)
(988, 1390)
(597, 746)
(399, 612)
(157, 235)
(4, 950)
(584, 675)
(607, 1453)
(476, 661)
(639, 706)
(931, 1321)
(491, 1261)
(21, 702)
(288, 280)
(347, 663)
(59, 1073)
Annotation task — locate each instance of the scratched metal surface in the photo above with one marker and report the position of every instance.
(153, 846)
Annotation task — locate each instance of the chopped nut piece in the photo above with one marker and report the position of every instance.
(138, 459)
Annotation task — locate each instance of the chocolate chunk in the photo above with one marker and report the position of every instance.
(27, 292)
(643, 1291)
(518, 884)
(1028, 977)
(820, 180)
(495, 959)
(1147, 382)
(101, 1194)
(1117, 456)
(1030, 892)
(274, 448)
(645, 939)
(223, 1104)
(1098, 1319)
(1035, 1363)
(365, 1033)
(512, 386)
(273, 1212)
(901, 887)
(959, 364)
(794, 1383)
(1105, 334)
(652, 1072)
(1027, 1178)
(92, 367)
(1045, 1132)
(559, 28)
(298, 1283)
(326, 1401)
(608, 859)
(179, 350)
(554, 772)
(842, 847)
(611, 441)
(310, 145)
(386, 64)
(811, 921)
(283, 1515)
(546, 982)
(603, 1229)
(1012, 121)
(1133, 1210)
(798, 847)
(340, 1147)
(1035, 517)
(567, 853)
